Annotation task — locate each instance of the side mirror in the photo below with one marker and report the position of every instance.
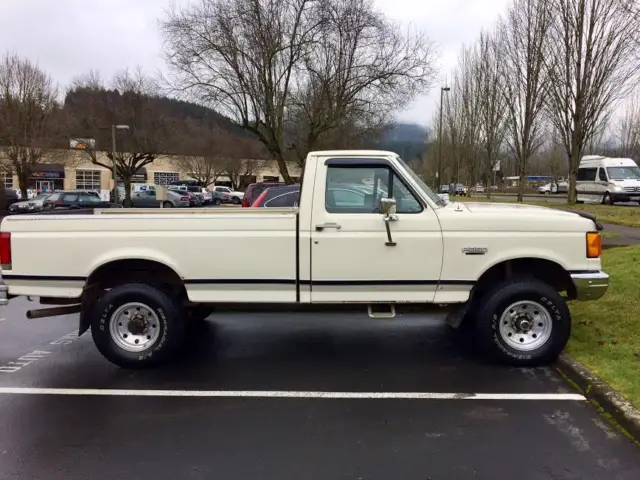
(388, 206)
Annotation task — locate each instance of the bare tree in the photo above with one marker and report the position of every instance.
(29, 118)
(522, 36)
(590, 65)
(360, 70)
(274, 63)
(627, 130)
(492, 106)
(131, 101)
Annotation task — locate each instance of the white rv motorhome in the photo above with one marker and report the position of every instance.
(607, 180)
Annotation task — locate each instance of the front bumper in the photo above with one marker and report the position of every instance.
(626, 197)
(590, 285)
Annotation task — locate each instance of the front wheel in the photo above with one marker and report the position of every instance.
(235, 200)
(137, 325)
(606, 199)
(523, 323)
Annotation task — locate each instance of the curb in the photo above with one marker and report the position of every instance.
(597, 391)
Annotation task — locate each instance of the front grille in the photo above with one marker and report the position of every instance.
(631, 189)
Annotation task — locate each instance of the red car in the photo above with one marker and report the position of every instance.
(254, 190)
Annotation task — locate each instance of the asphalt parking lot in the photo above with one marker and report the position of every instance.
(258, 397)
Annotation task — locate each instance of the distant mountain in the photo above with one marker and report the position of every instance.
(406, 139)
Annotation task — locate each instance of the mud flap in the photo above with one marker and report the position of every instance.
(87, 301)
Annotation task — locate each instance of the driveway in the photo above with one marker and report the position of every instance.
(273, 397)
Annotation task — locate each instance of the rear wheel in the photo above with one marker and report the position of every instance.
(523, 323)
(137, 325)
(167, 205)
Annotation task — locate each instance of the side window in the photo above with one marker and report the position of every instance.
(406, 202)
(359, 190)
(602, 175)
(70, 198)
(586, 174)
(289, 199)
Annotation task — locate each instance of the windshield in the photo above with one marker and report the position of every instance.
(423, 186)
(41, 196)
(624, 173)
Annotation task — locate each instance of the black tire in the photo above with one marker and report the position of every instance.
(167, 205)
(495, 303)
(607, 200)
(235, 200)
(170, 324)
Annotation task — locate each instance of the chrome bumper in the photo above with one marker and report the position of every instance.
(590, 285)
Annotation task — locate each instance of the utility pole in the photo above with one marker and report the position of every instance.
(439, 173)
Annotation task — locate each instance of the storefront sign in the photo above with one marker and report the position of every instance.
(54, 175)
(139, 176)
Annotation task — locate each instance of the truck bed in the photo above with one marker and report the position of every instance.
(223, 249)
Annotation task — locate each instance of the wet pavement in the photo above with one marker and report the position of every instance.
(60, 431)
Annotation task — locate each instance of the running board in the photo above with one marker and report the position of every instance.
(383, 311)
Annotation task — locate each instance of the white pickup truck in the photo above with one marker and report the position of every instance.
(368, 236)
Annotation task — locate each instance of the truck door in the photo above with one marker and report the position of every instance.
(351, 257)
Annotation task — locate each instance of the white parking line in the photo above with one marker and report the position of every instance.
(292, 394)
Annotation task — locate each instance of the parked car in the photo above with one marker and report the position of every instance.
(278, 196)
(254, 190)
(147, 199)
(36, 204)
(460, 189)
(444, 189)
(218, 198)
(196, 199)
(198, 192)
(232, 196)
(64, 200)
(479, 188)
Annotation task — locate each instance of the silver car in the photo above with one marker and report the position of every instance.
(33, 205)
(147, 199)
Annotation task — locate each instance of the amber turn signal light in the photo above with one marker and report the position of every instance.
(594, 244)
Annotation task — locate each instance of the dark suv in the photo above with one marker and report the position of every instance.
(254, 190)
(8, 196)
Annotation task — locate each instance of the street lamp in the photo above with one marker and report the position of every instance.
(439, 173)
(113, 154)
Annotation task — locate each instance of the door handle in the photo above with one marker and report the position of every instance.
(320, 228)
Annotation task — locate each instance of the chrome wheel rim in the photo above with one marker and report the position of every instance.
(525, 325)
(134, 327)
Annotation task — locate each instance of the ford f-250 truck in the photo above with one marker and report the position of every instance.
(368, 235)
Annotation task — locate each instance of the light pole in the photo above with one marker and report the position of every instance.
(439, 173)
(113, 154)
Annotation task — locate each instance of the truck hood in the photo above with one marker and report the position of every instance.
(511, 217)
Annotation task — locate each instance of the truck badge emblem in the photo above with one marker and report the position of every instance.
(474, 250)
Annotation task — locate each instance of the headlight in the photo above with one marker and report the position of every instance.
(617, 188)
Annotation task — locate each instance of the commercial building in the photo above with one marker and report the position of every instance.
(75, 170)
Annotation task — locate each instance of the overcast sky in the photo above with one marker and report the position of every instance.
(69, 37)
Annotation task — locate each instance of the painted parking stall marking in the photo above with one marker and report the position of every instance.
(292, 394)
(35, 355)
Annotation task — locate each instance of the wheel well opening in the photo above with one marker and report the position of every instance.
(543, 270)
(150, 272)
